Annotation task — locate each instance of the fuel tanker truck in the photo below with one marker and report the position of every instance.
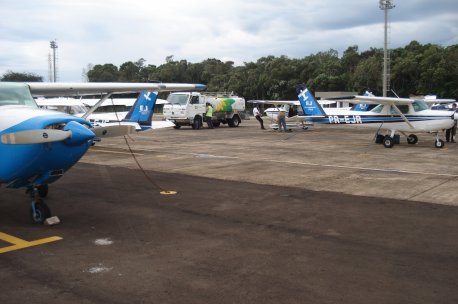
(189, 108)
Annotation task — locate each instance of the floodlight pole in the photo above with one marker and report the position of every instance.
(386, 5)
(54, 47)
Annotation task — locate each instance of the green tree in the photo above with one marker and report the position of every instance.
(368, 74)
(15, 76)
(415, 69)
(100, 73)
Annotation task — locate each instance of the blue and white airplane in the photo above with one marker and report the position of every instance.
(38, 146)
(392, 115)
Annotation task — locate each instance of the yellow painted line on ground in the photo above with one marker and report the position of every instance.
(21, 244)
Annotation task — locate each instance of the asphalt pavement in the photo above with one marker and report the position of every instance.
(315, 216)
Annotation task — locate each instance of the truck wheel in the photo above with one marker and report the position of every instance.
(236, 121)
(197, 123)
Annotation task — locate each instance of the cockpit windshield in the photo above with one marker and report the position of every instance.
(419, 105)
(181, 99)
(16, 94)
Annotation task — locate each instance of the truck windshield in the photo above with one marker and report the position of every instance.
(181, 99)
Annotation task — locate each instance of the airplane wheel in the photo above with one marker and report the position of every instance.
(412, 139)
(388, 142)
(39, 212)
(43, 190)
(439, 143)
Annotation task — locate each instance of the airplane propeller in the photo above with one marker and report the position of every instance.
(39, 136)
(112, 131)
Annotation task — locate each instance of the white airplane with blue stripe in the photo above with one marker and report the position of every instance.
(392, 115)
(38, 146)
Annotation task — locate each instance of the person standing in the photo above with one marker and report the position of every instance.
(451, 133)
(257, 115)
(281, 119)
(209, 115)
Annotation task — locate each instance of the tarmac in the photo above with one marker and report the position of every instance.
(245, 216)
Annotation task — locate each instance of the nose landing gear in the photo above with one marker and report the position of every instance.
(39, 211)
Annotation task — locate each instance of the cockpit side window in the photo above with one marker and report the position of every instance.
(403, 108)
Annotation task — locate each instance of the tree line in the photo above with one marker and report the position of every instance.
(416, 69)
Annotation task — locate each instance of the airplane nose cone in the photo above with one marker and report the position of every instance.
(80, 134)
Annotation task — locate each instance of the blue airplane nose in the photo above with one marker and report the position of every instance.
(80, 134)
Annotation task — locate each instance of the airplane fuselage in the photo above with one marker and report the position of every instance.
(424, 121)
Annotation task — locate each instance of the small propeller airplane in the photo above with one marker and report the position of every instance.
(112, 110)
(38, 146)
(393, 115)
(293, 120)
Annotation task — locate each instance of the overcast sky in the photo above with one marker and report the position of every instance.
(117, 31)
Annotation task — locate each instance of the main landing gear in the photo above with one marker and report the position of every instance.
(388, 141)
(39, 211)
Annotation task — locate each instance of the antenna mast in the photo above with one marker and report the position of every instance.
(386, 5)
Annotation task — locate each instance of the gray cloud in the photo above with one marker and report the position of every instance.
(116, 31)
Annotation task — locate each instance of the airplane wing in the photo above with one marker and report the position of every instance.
(92, 88)
(276, 102)
(391, 101)
(382, 100)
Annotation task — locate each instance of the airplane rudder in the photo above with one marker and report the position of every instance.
(142, 110)
(308, 103)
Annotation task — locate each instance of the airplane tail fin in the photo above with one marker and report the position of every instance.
(308, 103)
(142, 110)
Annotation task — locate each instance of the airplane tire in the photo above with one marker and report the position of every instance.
(43, 190)
(412, 139)
(41, 213)
(439, 144)
(388, 142)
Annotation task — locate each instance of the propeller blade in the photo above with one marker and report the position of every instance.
(39, 136)
(112, 131)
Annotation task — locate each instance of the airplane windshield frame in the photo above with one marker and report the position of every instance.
(16, 94)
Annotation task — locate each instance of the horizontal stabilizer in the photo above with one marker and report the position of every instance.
(35, 136)
(113, 131)
(162, 124)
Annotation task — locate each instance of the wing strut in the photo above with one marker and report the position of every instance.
(402, 116)
(95, 107)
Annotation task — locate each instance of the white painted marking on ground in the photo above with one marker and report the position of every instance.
(103, 242)
(309, 164)
(361, 168)
(99, 269)
(115, 152)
